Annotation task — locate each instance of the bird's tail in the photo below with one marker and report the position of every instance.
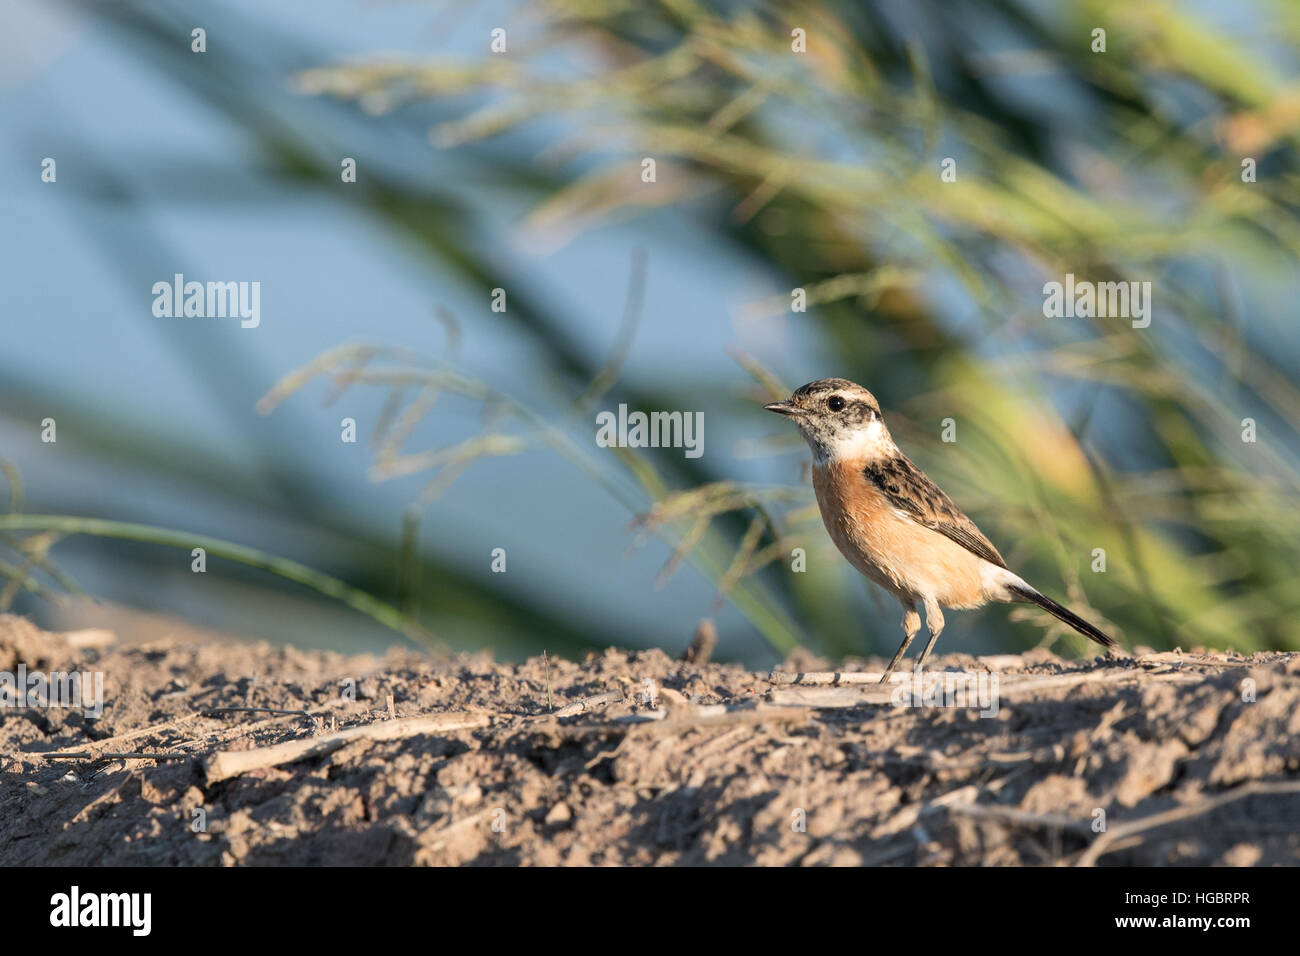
(1025, 593)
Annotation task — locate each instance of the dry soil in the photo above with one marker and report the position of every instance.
(1155, 759)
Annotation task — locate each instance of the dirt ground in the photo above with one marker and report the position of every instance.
(642, 759)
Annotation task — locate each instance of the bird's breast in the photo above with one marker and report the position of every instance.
(859, 520)
(887, 546)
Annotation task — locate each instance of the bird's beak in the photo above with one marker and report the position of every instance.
(784, 408)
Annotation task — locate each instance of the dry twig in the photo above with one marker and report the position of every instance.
(231, 763)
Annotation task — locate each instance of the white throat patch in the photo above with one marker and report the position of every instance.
(870, 442)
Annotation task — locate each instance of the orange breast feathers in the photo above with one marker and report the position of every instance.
(888, 546)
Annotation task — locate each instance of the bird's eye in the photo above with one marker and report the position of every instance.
(835, 403)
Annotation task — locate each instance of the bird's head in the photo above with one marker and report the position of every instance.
(838, 419)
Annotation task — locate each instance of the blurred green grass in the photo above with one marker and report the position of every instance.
(1074, 435)
(820, 162)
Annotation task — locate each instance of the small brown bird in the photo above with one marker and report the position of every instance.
(894, 524)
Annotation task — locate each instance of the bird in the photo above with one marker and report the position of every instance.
(894, 525)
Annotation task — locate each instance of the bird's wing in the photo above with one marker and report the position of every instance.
(908, 489)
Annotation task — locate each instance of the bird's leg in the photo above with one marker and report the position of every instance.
(911, 625)
(934, 621)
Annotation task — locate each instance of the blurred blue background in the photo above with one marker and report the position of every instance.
(224, 166)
